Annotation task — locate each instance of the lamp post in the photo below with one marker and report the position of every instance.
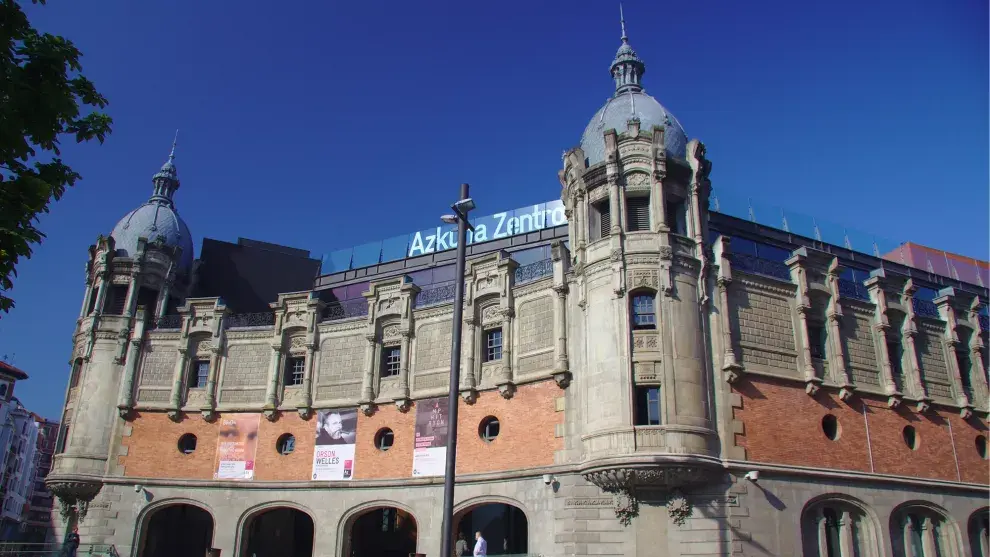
(460, 216)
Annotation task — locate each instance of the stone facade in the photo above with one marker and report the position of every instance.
(657, 390)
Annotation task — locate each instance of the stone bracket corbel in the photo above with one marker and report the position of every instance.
(469, 394)
(562, 377)
(812, 385)
(732, 372)
(175, 414)
(923, 405)
(403, 404)
(368, 408)
(894, 400)
(304, 412)
(966, 412)
(507, 389)
(846, 393)
(271, 413)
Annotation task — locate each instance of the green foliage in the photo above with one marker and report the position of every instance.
(41, 95)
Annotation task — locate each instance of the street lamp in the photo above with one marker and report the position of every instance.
(460, 216)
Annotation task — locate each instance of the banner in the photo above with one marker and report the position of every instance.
(333, 457)
(236, 446)
(430, 449)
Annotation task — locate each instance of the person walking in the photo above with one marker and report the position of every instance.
(71, 543)
(461, 547)
(480, 546)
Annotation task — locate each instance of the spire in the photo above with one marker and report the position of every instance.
(627, 69)
(166, 180)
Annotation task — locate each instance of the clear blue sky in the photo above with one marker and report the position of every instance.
(324, 125)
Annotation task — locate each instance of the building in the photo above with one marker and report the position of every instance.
(20, 435)
(942, 263)
(641, 376)
(40, 504)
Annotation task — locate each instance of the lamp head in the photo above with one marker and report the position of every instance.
(464, 205)
(449, 219)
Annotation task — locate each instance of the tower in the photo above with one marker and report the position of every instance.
(135, 278)
(636, 193)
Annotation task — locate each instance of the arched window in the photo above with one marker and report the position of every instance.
(644, 315)
(838, 528)
(921, 531)
(979, 533)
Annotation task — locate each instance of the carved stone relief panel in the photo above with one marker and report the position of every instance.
(643, 278)
(157, 365)
(247, 365)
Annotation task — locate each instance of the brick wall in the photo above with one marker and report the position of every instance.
(783, 425)
(526, 439)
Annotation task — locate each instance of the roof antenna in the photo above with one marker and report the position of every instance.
(622, 22)
(174, 141)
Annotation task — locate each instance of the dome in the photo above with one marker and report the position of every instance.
(154, 220)
(618, 110)
(157, 219)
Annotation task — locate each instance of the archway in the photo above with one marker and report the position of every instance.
(179, 529)
(278, 532)
(503, 526)
(383, 532)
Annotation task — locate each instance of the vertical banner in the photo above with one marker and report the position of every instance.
(333, 457)
(430, 450)
(236, 446)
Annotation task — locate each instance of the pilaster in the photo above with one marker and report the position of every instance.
(731, 369)
(126, 397)
(796, 264)
(561, 260)
(909, 332)
(880, 329)
(836, 354)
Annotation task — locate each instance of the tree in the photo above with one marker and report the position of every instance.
(43, 96)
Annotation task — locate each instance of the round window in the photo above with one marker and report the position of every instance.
(910, 437)
(830, 427)
(489, 429)
(187, 443)
(981, 446)
(285, 444)
(384, 439)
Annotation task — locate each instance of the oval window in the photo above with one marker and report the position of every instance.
(384, 439)
(830, 427)
(285, 444)
(489, 429)
(910, 437)
(187, 443)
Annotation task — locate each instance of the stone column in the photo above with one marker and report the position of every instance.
(126, 398)
(822, 523)
(367, 384)
(469, 342)
(163, 300)
(560, 326)
(908, 333)
(180, 367)
(582, 223)
(307, 384)
(132, 287)
(271, 394)
(216, 360)
(928, 541)
(730, 365)
(984, 542)
(404, 356)
(837, 354)
(796, 266)
(615, 206)
(101, 292)
(87, 296)
(846, 541)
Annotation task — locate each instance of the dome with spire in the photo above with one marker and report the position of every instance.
(157, 219)
(630, 101)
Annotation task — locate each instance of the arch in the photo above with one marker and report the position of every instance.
(948, 537)
(979, 532)
(252, 535)
(190, 544)
(866, 530)
(503, 522)
(353, 515)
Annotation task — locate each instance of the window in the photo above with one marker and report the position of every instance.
(830, 427)
(910, 437)
(63, 439)
(837, 529)
(115, 300)
(391, 360)
(638, 214)
(187, 443)
(200, 374)
(92, 300)
(493, 345)
(384, 439)
(981, 447)
(644, 313)
(831, 532)
(816, 340)
(295, 369)
(601, 222)
(3, 389)
(894, 351)
(962, 358)
(914, 536)
(285, 444)
(676, 216)
(647, 406)
(489, 429)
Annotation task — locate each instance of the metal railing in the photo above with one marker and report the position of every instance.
(335, 311)
(16, 549)
(534, 271)
(238, 320)
(167, 322)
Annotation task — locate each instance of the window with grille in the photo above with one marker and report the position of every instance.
(391, 360)
(603, 216)
(816, 340)
(199, 374)
(115, 299)
(644, 312)
(493, 345)
(637, 214)
(647, 406)
(295, 370)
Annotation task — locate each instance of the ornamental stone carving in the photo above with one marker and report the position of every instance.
(666, 253)
(391, 332)
(622, 484)
(644, 278)
(73, 496)
(678, 507)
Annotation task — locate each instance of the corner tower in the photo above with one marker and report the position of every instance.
(636, 193)
(135, 278)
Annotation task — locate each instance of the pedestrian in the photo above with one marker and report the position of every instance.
(461, 548)
(481, 546)
(71, 543)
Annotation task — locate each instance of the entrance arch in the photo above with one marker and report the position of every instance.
(278, 532)
(194, 523)
(503, 525)
(381, 531)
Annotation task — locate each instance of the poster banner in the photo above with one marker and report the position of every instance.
(430, 450)
(333, 457)
(236, 446)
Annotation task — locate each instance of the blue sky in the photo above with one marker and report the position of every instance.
(324, 125)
